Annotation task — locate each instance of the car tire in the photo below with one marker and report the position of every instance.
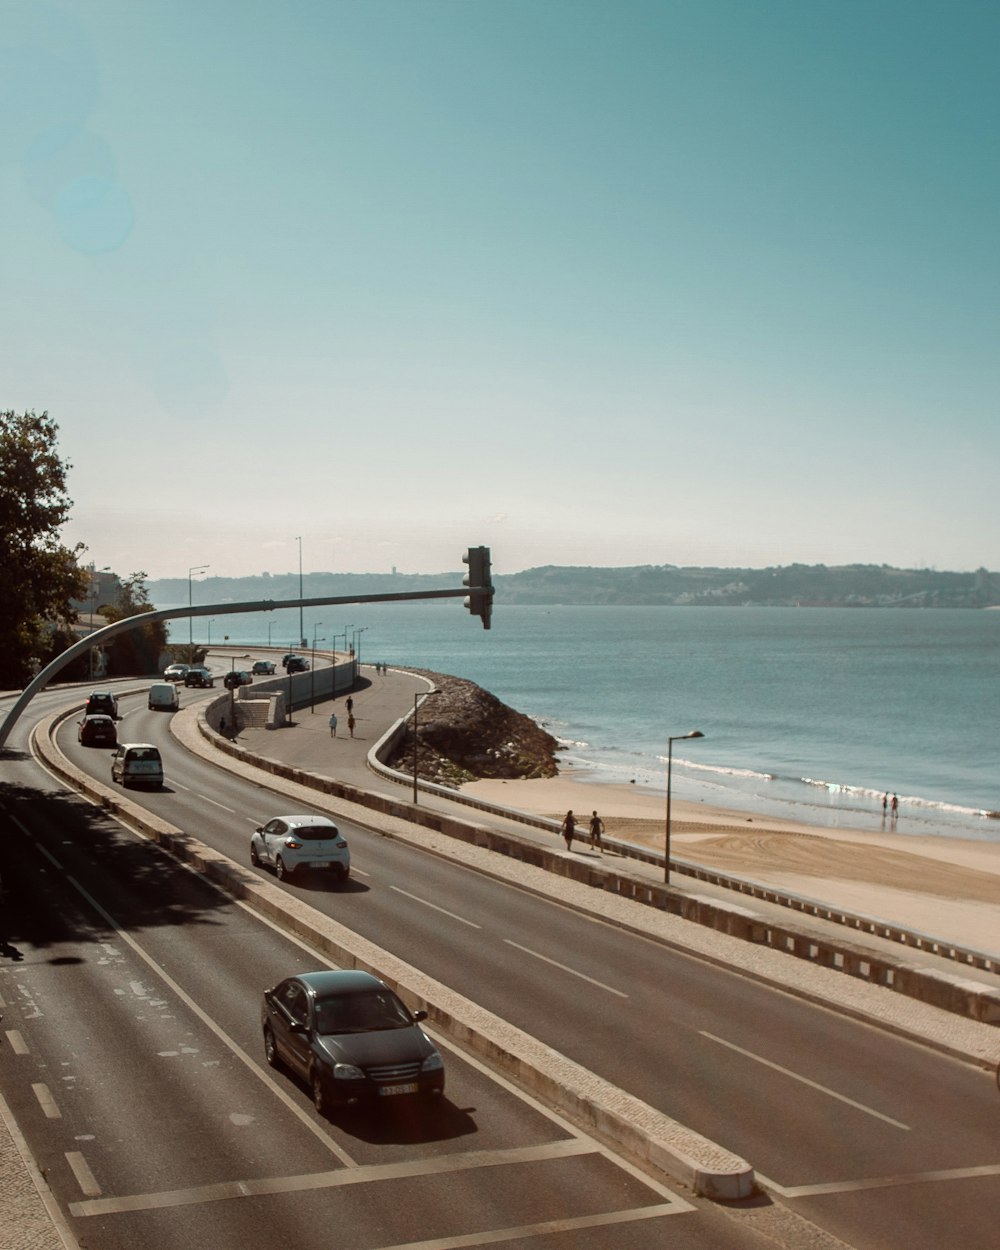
(254, 855)
(342, 872)
(281, 869)
(271, 1050)
(318, 1087)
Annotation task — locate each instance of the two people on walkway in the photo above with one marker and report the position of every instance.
(351, 722)
(568, 830)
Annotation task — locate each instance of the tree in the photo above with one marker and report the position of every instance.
(38, 575)
(138, 650)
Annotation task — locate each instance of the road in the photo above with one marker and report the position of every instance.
(869, 1136)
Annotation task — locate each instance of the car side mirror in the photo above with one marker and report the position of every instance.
(297, 1026)
(420, 1015)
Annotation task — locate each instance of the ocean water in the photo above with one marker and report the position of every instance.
(807, 713)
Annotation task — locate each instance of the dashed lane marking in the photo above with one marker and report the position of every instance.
(417, 899)
(879, 1182)
(84, 1176)
(564, 968)
(17, 1043)
(46, 1101)
(804, 1080)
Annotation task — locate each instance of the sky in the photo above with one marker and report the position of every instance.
(591, 282)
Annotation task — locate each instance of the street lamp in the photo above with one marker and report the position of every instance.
(195, 568)
(210, 633)
(427, 694)
(95, 589)
(357, 649)
(270, 626)
(312, 669)
(302, 637)
(695, 733)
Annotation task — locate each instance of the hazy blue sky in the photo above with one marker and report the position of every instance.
(590, 281)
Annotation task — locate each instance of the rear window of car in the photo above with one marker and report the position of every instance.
(145, 755)
(315, 833)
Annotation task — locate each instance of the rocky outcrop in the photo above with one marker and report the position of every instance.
(465, 734)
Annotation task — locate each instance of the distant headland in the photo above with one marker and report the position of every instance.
(668, 585)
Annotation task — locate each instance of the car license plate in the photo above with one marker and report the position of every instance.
(323, 863)
(410, 1088)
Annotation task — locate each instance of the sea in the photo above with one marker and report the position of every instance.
(808, 714)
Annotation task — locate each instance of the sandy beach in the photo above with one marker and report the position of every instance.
(947, 887)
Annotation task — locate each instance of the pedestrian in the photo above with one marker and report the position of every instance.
(222, 726)
(333, 724)
(885, 802)
(596, 829)
(350, 705)
(568, 828)
(350, 724)
(895, 806)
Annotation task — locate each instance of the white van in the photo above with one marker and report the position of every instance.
(163, 697)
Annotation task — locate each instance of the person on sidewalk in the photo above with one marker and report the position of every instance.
(350, 724)
(350, 704)
(333, 724)
(596, 829)
(569, 828)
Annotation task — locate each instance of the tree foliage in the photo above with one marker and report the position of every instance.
(38, 574)
(138, 650)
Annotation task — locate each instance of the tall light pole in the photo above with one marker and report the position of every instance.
(312, 669)
(426, 695)
(270, 626)
(302, 637)
(195, 568)
(695, 733)
(95, 589)
(357, 649)
(210, 632)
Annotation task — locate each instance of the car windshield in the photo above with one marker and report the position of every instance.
(314, 833)
(361, 1013)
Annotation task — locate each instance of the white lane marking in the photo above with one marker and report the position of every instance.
(84, 1176)
(417, 899)
(17, 1043)
(526, 1231)
(879, 1182)
(46, 1101)
(260, 1073)
(563, 967)
(42, 1187)
(201, 797)
(48, 855)
(795, 1076)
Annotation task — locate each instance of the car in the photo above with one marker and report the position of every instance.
(175, 672)
(296, 664)
(286, 657)
(352, 1038)
(237, 677)
(262, 668)
(137, 764)
(288, 843)
(102, 703)
(97, 730)
(198, 675)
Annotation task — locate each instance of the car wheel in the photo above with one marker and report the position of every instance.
(318, 1086)
(343, 872)
(254, 855)
(281, 869)
(271, 1050)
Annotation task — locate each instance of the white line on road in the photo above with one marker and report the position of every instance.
(823, 1089)
(17, 1043)
(572, 971)
(879, 1182)
(417, 899)
(84, 1176)
(46, 1101)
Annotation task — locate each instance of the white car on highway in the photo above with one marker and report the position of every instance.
(288, 843)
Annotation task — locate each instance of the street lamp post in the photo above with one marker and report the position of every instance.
(357, 649)
(211, 619)
(312, 669)
(302, 637)
(195, 568)
(695, 733)
(270, 626)
(95, 588)
(417, 696)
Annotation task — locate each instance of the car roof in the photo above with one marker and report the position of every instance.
(129, 746)
(303, 818)
(92, 716)
(342, 981)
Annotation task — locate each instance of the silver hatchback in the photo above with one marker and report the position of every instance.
(288, 843)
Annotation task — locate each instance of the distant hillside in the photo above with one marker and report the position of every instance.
(815, 585)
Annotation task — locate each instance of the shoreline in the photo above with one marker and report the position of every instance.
(947, 887)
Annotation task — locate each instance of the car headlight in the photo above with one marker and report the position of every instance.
(433, 1063)
(347, 1072)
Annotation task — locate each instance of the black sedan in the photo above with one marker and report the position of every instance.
(351, 1037)
(97, 731)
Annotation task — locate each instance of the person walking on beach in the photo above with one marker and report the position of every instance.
(596, 829)
(895, 806)
(569, 828)
(333, 724)
(350, 723)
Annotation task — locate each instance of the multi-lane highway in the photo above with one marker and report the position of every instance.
(139, 1071)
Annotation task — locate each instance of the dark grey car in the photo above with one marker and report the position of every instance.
(351, 1037)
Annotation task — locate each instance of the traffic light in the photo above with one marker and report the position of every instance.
(480, 602)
